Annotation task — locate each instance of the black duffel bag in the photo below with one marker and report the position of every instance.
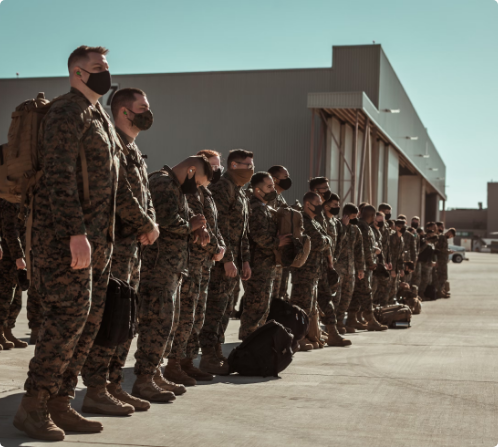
(266, 352)
(119, 323)
(291, 317)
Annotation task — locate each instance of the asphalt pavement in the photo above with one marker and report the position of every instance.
(434, 384)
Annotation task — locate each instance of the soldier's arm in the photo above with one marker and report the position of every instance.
(10, 228)
(413, 249)
(245, 245)
(359, 252)
(319, 242)
(369, 261)
(222, 199)
(127, 205)
(259, 229)
(166, 198)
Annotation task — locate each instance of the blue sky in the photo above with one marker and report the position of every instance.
(444, 51)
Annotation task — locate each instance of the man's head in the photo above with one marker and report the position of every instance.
(215, 162)
(400, 226)
(131, 111)
(440, 227)
(402, 217)
(193, 172)
(281, 178)
(320, 185)
(351, 210)
(312, 204)
(386, 209)
(89, 71)
(451, 233)
(379, 219)
(430, 227)
(332, 206)
(368, 213)
(241, 166)
(415, 222)
(263, 187)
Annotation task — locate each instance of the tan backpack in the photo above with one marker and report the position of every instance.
(290, 221)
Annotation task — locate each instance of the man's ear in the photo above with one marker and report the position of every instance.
(191, 171)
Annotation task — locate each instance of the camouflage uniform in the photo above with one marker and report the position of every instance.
(258, 289)
(233, 220)
(216, 244)
(305, 279)
(163, 265)
(10, 293)
(362, 295)
(426, 266)
(410, 247)
(442, 262)
(415, 281)
(73, 300)
(34, 308)
(381, 286)
(134, 216)
(350, 260)
(397, 250)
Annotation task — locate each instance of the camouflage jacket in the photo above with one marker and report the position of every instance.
(378, 239)
(324, 222)
(369, 244)
(233, 222)
(279, 202)
(351, 257)
(442, 250)
(320, 243)
(210, 212)
(410, 247)
(170, 252)
(397, 249)
(262, 230)
(332, 231)
(134, 210)
(59, 209)
(10, 229)
(385, 231)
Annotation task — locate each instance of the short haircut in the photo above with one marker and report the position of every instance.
(390, 223)
(238, 155)
(385, 206)
(208, 153)
(258, 178)
(380, 214)
(400, 223)
(430, 224)
(81, 53)
(124, 98)
(402, 217)
(332, 198)
(452, 231)
(274, 170)
(362, 205)
(202, 161)
(368, 211)
(411, 230)
(416, 218)
(350, 208)
(314, 182)
(440, 224)
(420, 230)
(309, 196)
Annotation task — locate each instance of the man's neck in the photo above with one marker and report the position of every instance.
(127, 131)
(87, 93)
(278, 189)
(310, 215)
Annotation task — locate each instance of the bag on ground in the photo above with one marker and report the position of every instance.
(266, 352)
(394, 316)
(290, 316)
(430, 293)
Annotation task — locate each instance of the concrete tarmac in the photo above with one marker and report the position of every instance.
(434, 384)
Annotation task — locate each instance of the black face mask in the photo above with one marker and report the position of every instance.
(285, 183)
(189, 186)
(354, 221)
(388, 216)
(335, 211)
(327, 194)
(317, 209)
(415, 225)
(269, 196)
(402, 230)
(100, 82)
(216, 176)
(142, 120)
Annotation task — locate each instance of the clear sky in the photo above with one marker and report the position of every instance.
(445, 53)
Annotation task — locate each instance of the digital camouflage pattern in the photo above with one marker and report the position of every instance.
(134, 215)
(281, 281)
(442, 252)
(263, 232)
(73, 300)
(34, 308)
(397, 257)
(380, 285)
(233, 221)
(163, 264)
(409, 246)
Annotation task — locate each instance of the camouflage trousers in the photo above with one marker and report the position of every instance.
(34, 308)
(107, 363)
(417, 274)
(194, 344)
(304, 290)
(442, 275)
(325, 298)
(257, 297)
(362, 299)
(219, 307)
(10, 293)
(157, 318)
(393, 287)
(281, 283)
(189, 298)
(344, 293)
(73, 305)
(425, 277)
(380, 290)
(236, 293)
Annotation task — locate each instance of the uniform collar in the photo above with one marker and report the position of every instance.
(125, 137)
(172, 175)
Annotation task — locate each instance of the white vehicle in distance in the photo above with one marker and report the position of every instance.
(458, 254)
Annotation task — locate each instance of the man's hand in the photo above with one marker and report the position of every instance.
(389, 266)
(361, 274)
(246, 271)
(20, 264)
(393, 274)
(285, 240)
(150, 237)
(202, 235)
(230, 269)
(219, 256)
(81, 252)
(196, 222)
(378, 251)
(345, 220)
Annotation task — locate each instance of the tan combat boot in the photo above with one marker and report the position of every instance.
(358, 324)
(373, 324)
(166, 385)
(188, 367)
(33, 418)
(98, 400)
(67, 418)
(34, 335)
(146, 388)
(336, 339)
(175, 374)
(211, 364)
(115, 390)
(10, 337)
(219, 352)
(350, 323)
(6, 344)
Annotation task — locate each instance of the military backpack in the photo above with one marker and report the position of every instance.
(295, 254)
